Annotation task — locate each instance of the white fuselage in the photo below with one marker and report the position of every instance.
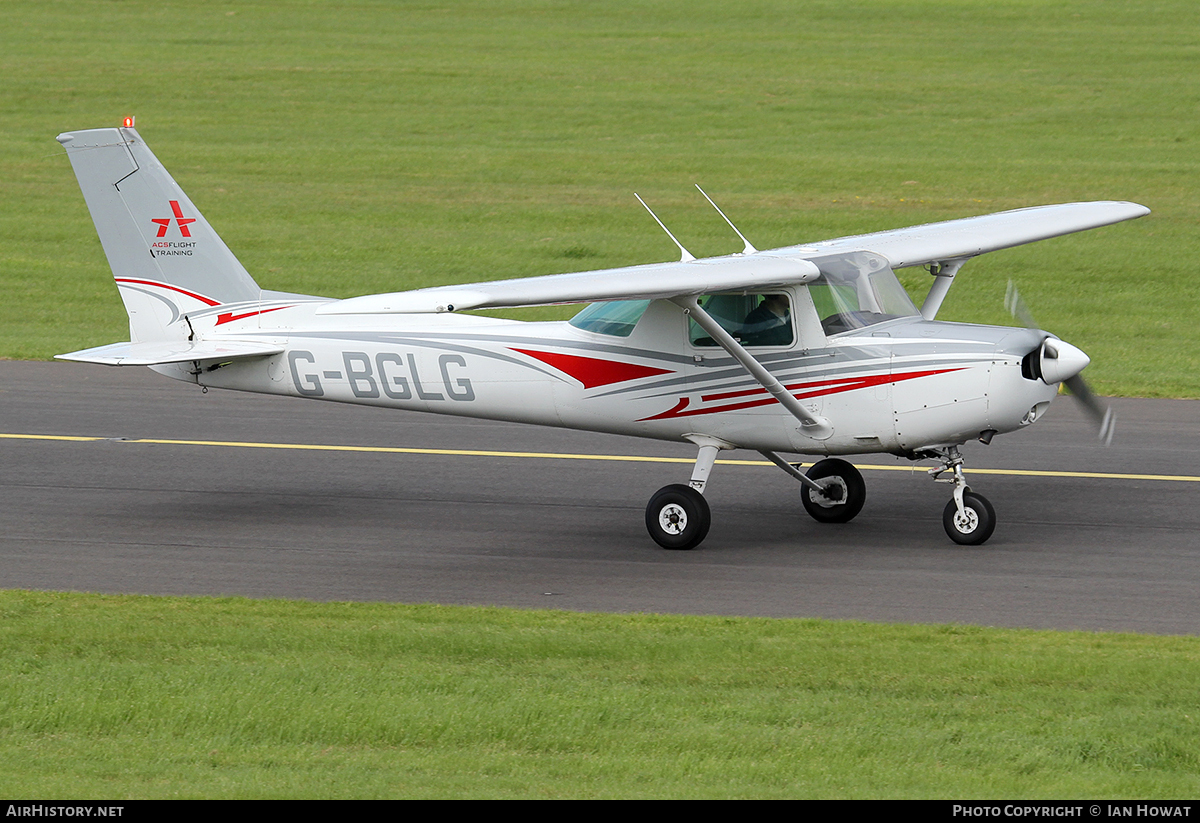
(895, 387)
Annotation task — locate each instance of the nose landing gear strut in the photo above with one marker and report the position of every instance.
(968, 518)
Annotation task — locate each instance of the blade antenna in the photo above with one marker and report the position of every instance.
(749, 249)
(685, 255)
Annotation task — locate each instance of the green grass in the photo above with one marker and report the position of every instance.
(119, 697)
(344, 148)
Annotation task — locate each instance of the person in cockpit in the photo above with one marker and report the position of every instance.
(770, 323)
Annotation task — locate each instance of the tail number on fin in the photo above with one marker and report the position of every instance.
(395, 375)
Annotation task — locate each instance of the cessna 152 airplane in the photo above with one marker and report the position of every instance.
(812, 350)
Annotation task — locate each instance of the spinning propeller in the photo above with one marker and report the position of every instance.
(1056, 361)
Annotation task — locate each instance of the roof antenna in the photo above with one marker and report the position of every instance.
(685, 255)
(749, 249)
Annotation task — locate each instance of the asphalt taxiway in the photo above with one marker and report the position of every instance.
(233, 499)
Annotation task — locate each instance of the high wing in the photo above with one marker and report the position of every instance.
(656, 280)
(913, 246)
(972, 236)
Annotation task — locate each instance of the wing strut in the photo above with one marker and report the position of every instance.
(818, 428)
(943, 276)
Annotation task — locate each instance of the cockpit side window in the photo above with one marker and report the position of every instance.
(751, 319)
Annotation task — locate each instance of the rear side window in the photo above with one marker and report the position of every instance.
(617, 317)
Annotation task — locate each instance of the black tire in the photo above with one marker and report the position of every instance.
(678, 517)
(979, 524)
(851, 490)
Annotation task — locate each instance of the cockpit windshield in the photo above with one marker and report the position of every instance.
(856, 290)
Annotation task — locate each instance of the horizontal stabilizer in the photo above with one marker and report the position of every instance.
(656, 280)
(159, 354)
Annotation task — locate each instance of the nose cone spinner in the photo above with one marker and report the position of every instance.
(1061, 361)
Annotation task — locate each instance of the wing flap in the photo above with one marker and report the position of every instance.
(159, 354)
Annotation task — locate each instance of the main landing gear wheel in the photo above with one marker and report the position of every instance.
(844, 493)
(678, 517)
(975, 525)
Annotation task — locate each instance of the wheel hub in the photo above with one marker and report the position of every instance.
(833, 492)
(672, 518)
(966, 521)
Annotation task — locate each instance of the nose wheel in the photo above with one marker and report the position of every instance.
(968, 518)
(972, 525)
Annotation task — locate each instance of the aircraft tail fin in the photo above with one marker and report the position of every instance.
(168, 262)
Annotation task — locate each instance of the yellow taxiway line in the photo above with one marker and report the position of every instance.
(621, 458)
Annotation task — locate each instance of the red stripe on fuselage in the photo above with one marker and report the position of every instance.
(845, 382)
(591, 371)
(229, 317)
(816, 388)
(226, 317)
(192, 294)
